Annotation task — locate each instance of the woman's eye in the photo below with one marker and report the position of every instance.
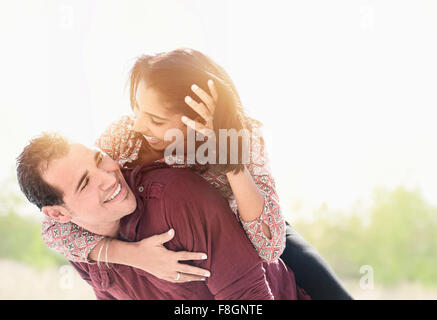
(157, 123)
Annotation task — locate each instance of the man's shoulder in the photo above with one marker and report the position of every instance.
(141, 178)
(168, 175)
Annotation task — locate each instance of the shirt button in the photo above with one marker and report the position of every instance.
(141, 189)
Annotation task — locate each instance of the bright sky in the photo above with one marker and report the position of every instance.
(346, 89)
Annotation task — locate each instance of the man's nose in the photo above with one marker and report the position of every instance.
(107, 179)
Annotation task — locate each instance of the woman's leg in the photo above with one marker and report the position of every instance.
(312, 273)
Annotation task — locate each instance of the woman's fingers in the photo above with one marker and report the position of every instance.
(213, 90)
(183, 272)
(197, 126)
(191, 270)
(163, 237)
(187, 273)
(199, 108)
(206, 98)
(185, 278)
(186, 255)
(205, 109)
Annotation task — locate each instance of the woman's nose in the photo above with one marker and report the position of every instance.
(139, 124)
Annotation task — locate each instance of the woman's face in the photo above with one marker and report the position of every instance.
(153, 117)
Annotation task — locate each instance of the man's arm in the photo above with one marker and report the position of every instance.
(204, 223)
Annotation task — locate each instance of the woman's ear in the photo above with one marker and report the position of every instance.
(58, 213)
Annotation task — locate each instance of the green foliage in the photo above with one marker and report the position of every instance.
(21, 241)
(399, 242)
(21, 236)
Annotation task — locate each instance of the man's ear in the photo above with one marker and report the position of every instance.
(58, 213)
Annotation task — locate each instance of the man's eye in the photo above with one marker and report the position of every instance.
(85, 183)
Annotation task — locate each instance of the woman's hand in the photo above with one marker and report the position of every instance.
(205, 109)
(152, 257)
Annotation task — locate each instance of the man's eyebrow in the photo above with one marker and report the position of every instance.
(96, 156)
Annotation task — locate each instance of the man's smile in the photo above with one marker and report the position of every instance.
(114, 194)
(119, 192)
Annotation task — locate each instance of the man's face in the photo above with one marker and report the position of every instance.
(95, 192)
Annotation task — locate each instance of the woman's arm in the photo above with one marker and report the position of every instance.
(151, 256)
(266, 230)
(250, 200)
(68, 239)
(79, 245)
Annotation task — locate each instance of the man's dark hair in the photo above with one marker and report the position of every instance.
(32, 162)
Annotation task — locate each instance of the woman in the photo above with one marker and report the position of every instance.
(159, 85)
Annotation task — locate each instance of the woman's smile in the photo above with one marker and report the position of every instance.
(151, 139)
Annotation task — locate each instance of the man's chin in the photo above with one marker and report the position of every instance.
(130, 203)
(133, 205)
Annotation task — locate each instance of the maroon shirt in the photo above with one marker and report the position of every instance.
(203, 222)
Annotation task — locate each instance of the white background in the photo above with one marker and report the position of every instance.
(346, 89)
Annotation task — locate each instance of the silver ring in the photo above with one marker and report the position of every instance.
(178, 276)
(210, 119)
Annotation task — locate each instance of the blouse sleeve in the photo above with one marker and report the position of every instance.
(121, 143)
(268, 249)
(68, 239)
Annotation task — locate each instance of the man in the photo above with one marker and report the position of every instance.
(70, 182)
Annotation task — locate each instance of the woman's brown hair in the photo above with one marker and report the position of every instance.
(172, 74)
